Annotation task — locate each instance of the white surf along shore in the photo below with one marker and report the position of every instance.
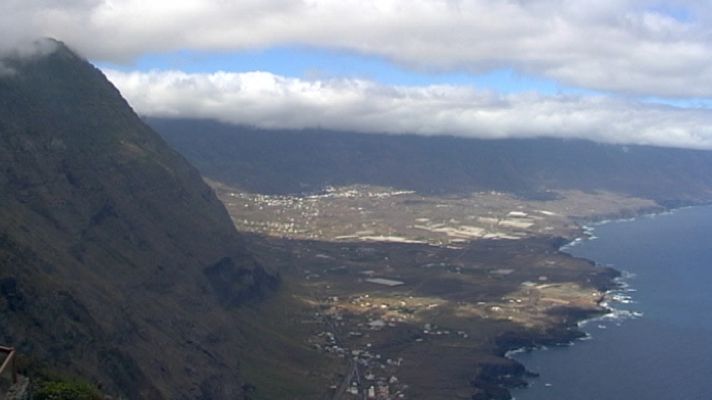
(616, 302)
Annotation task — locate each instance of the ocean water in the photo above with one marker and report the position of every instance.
(658, 345)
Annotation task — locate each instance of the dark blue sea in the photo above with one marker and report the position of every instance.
(658, 345)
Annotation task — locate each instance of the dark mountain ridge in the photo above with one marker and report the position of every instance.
(117, 262)
(295, 161)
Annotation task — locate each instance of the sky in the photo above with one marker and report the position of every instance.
(616, 71)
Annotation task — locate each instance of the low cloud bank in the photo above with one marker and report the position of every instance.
(270, 101)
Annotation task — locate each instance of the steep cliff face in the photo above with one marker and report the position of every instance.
(116, 260)
(284, 161)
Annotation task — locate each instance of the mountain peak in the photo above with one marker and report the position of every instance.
(34, 50)
(110, 238)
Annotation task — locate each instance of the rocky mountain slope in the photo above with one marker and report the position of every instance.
(283, 161)
(116, 261)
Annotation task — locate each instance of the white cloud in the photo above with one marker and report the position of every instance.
(27, 49)
(611, 45)
(22, 49)
(266, 100)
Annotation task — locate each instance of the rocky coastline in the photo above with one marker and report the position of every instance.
(494, 381)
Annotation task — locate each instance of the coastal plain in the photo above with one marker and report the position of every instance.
(396, 295)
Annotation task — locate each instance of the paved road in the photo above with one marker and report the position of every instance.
(341, 390)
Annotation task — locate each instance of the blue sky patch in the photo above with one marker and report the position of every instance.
(314, 63)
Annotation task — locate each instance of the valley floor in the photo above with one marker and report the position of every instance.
(389, 294)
